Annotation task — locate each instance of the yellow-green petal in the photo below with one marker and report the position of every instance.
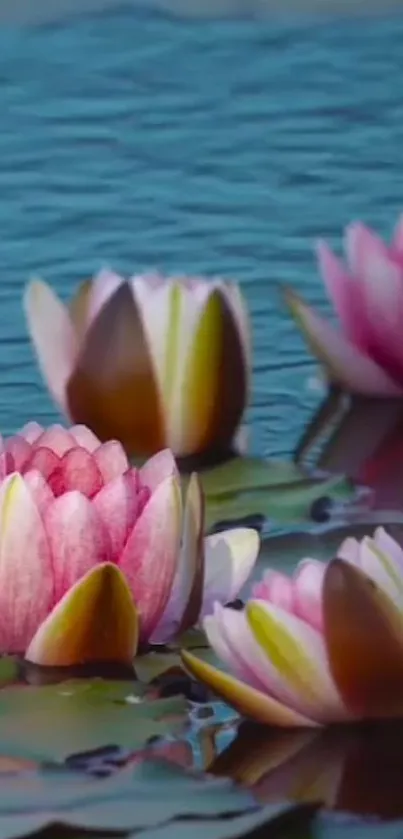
(96, 621)
(214, 384)
(246, 700)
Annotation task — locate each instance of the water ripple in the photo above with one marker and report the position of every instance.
(221, 147)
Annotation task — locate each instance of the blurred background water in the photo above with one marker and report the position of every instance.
(137, 139)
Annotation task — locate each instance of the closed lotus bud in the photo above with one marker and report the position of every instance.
(152, 361)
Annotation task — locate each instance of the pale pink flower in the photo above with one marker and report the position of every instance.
(366, 355)
(323, 646)
(97, 556)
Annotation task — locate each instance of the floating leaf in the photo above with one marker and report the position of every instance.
(9, 670)
(50, 723)
(154, 663)
(284, 551)
(149, 794)
(276, 818)
(249, 487)
(283, 504)
(248, 473)
(345, 827)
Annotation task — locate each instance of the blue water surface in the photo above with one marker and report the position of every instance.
(220, 146)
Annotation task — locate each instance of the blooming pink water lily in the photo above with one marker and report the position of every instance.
(366, 357)
(153, 362)
(325, 646)
(96, 556)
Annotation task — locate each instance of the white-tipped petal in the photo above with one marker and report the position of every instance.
(230, 557)
(53, 337)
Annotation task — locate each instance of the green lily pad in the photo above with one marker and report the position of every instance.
(152, 665)
(151, 793)
(9, 670)
(248, 473)
(276, 490)
(52, 722)
(284, 551)
(276, 818)
(344, 827)
(283, 504)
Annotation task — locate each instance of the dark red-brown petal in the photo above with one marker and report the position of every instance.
(113, 388)
(364, 636)
(193, 549)
(215, 380)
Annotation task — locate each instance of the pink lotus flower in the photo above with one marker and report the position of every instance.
(325, 646)
(366, 357)
(96, 556)
(153, 362)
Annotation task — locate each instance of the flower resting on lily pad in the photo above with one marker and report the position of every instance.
(366, 356)
(322, 647)
(97, 557)
(152, 362)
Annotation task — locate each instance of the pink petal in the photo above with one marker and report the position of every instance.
(44, 460)
(39, 489)
(118, 506)
(103, 286)
(344, 362)
(361, 244)
(308, 585)
(276, 588)
(77, 538)
(293, 661)
(111, 460)
(26, 583)
(159, 467)
(345, 294)
(84, 437)
(56, 438)
(238, 637)
(77, 470)
(217, 638)
(31, 431)
(7, 465)
(53, 336)
(151, 554)
(20, 451)
(381, 280)
(262, 673)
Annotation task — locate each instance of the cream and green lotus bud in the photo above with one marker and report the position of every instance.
(152, 362)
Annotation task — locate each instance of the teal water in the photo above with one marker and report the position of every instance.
(224, 146)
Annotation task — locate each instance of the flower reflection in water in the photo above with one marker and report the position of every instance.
(356, 770)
